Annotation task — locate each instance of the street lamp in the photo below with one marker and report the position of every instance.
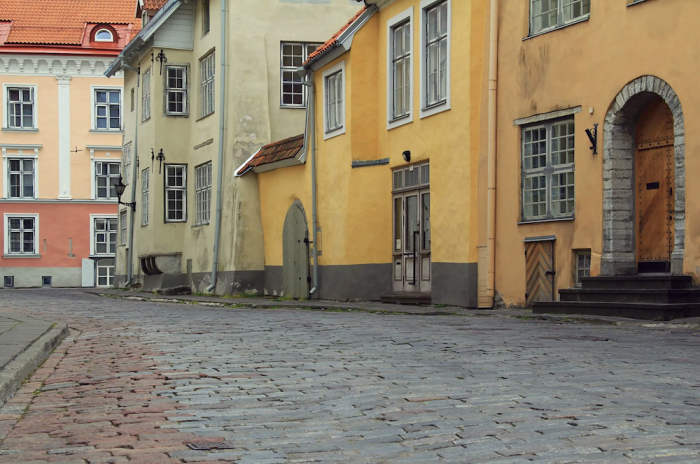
(120, 187)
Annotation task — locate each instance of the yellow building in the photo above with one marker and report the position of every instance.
(399, 126)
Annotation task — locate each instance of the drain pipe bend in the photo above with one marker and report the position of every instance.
(314, 215)
(220, 163)
(134, 173)
(491, 197)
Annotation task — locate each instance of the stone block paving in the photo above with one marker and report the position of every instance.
(138, 380)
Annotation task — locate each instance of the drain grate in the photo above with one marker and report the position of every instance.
(209, 445)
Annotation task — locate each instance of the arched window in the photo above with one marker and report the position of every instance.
(104, 35)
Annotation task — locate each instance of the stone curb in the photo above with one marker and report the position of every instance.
(19, 369)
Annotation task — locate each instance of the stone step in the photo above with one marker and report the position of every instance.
(646, 311)
(638, 282)
(686, 295)
(407, 298)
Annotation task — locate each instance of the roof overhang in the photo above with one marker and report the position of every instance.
(298, 160)
(144, 35)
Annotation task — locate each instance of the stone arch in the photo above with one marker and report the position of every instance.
(619, 243)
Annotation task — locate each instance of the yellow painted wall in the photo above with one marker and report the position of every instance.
(587, 64)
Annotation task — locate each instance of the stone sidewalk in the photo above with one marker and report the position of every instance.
(25, 343)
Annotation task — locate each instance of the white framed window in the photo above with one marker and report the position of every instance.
(146, 96)
(104, 230)
(546, 15)
(175, 192)
(107, 109)
(105, 272)
(126, 163)
(207, 72)
(202, 193)
(176, 101)
(144, 196)
(292, 55)
(435, 40)
(21, 177)
(106, 177)
(548, 170)
(21, 234)
(582, 266)
(400, 69)
(122, 227)
(20, 107)
(334, 101)
(206, 18)
(104, 35)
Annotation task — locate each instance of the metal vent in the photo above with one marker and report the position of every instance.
(9, 281)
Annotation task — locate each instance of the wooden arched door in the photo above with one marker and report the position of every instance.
(655, 178)
(295, 253)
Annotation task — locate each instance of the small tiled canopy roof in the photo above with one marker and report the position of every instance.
(274, 152)
(333, 41)
(153, 4)
(60, 22)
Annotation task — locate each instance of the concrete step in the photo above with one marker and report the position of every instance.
(687, 295)
(646, 311)
(650, 282)
(407, 298)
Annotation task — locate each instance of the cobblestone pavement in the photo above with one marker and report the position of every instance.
(136, 381)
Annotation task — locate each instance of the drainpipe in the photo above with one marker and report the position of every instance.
(491, 198)
(314, 216)
(134, 173)
(220, 165)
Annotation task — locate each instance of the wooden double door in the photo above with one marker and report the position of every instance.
(412, 242)
(655, 180)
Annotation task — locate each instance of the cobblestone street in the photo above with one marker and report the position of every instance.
(135, 381)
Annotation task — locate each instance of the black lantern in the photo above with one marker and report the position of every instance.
(160, 158)
(120, 187)
(406, 156)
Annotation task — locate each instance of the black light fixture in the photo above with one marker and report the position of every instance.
(160, 158)
(161, 57)
(593, 137)
(120, 187)
(406, 156)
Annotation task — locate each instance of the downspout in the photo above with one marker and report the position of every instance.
(220, 165)
(314, 216)
(134, 173)
(491, 196)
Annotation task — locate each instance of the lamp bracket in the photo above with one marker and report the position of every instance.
(593, 137)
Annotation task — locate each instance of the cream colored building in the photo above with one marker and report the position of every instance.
(187, 130)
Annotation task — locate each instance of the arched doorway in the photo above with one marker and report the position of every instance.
(295, 253)
(644, 139)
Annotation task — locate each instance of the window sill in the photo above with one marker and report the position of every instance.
(144, 121)
(562, 26)
(106, 131)
(110, 256)
(435, 108)
(15, 129)
(540, 221)
(13, 256)
(21, 199)
(636, 2)
(195, 226)
(177, 115)
(293, 107)
(205, 117)
(329, 134)
(176, 222)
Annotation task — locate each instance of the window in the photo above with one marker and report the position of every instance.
(132, 99)
(205, 17)
(146, 96)
(20, 108)
(175, 193)
(106, 177)
(548, 170)
(436, 54)
(46, 281)
(176, 90)
(203, 193)
(144, 196)
(122, 225)
(400, 70)
(207, 91)
(548, 14)
(21, 233)
(105, 236)
(9, 281)
(334, 101)
(104, 35)
(293, 55)
(108, 109)
(105, 272)
(126, 163)
(582, 266)
(20, 178)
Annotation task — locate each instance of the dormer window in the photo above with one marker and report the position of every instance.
(104, 35)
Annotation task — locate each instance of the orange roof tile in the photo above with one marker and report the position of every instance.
(275, 151)
(333, 41)
(61, 22)
(153, 4)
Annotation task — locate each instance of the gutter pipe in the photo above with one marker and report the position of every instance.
(314, 215)
(220, 165)
(491, 196)
(134, 173)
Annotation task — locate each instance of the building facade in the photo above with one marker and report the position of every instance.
(398, 132)
(61, 140)
(206, 88)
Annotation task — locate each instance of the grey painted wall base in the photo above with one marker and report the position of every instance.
(230, 282)
(158, 281)
(455, 284)
(29, 277)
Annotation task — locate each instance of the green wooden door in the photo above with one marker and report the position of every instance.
(295, 250)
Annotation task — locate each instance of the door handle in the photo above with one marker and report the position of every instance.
(550, 272)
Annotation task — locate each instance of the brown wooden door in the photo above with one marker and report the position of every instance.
(539, 270)
(655, 182)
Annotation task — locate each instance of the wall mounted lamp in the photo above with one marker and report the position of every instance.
(120, 187)
(161, 57)
(406, 156)
(160, 158)
(593, 137)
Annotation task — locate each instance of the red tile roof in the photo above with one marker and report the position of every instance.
(273, 152)
(61, 22)
(333, 41)
(153, 4)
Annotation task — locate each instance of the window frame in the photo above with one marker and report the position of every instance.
(203, 193)
(6, 240)
(6, 107)
(146, 95)
(402, 19)
(183, 189)
(93, 96)
(8, 172)
(577, 253)
(548, 171)
(445, 104)
(104, 29)
(206, 17)
(560, 18)
(205, 82)
(95, 187)
(93, 234)
(126, 164)
(123, 223)
(337, 70)
(183, 90)
(145, 186)
(292, 69)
